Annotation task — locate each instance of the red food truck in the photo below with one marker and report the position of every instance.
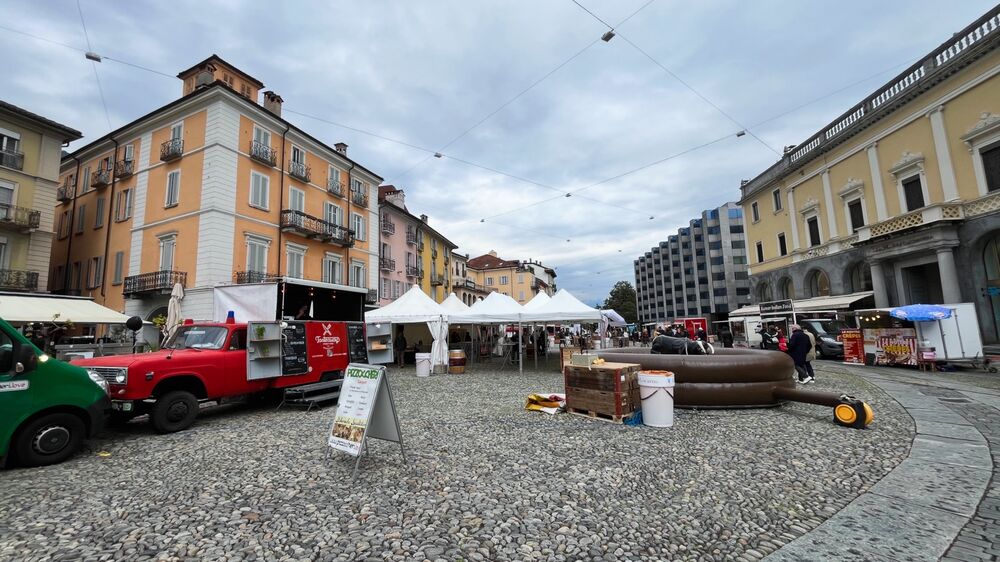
(213, 361)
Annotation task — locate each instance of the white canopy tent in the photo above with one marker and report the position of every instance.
(18, 309)
(454, 304)
(613, 318)
(415, 307)
(539, 300)
(496, 308)
(563, 307)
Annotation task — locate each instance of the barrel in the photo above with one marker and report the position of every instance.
(456, 361)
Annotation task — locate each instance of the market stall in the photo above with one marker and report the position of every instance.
(416, 308)
(495, 309)
(907, 335)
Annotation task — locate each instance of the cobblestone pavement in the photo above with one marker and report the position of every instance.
(942, 502)
(485, 480)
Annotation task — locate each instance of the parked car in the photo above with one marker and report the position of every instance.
(827, 333)
(47, 407)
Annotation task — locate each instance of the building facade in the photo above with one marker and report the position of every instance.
(463, 284)
(434, 253)
(900, 195)
(700, 271)
(212, 189)
(30, 147)
(400, 267)
(513, 278)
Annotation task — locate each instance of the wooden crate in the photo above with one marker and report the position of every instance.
(611, 389)
(565, 354)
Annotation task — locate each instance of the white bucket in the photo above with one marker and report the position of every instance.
(656, 388)
(423, 364)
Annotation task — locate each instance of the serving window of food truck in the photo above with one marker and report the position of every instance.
(887, 340)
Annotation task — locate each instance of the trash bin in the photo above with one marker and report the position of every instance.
(423, 364)
(656, 388)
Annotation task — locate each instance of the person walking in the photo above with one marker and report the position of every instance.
(798, 349)
(701, 335)
(399, 346)
(811, 356)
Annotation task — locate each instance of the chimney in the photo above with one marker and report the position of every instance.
(423, 218)
(272, 102)
(341, 147)
(204, 77)
(397, 198)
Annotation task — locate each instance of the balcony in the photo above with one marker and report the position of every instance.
(934, 213)
(299, 171)
(19, 219)
(437, 279)
(171, 150)
(359, 198)
(124, 168)
(12, 159)
(153, 283)
(263, 153)
(333, 186)
(64, 194)
(100, 178)
(434, 254)
(250, 276)
(413, 271)
(411, 237)
(18, 280)
(388, 227)
(387, 264)
(371, 297)
(315, 228)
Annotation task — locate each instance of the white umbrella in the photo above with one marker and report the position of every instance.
(173, 310)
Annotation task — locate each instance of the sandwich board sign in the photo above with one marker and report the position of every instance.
(365, 410)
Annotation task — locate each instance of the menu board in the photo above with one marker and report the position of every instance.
(854, 346)
(294, 359)
(354, 408)
(892, 346)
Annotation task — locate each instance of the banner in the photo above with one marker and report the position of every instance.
(892, 346)
(854, 346)
(354, 408)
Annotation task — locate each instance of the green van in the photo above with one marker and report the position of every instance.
(47, 407)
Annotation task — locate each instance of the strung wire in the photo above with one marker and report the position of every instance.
(97, 77)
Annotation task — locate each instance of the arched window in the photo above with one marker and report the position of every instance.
(786, 288)
(764, 293)
(818, 284)
(860, 278)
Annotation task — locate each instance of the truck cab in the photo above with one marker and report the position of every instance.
(47, 407)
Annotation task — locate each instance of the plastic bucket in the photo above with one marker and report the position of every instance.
(656, 388)
(423, 364)
(456, 361)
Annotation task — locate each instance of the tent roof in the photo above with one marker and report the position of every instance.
(496, 307)
(614, 318)
(539, 300)
(454, 304)
(413, 307)
(563, 307)
(31, 308)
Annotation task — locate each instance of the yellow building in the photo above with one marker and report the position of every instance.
(434, 253)
(899, 195)
(213, 188)
(514, 278)
(30, 147)
(463, 282)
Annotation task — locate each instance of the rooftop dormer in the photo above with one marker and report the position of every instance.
(214, 68)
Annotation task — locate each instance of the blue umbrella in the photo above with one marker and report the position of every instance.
(921, 312)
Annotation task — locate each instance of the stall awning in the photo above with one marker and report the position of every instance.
(32, 308)
(814, 304)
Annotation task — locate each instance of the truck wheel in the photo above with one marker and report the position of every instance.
(174, 411)
(49, 439)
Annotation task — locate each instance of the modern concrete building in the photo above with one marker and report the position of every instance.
(700, 271)
(30, 147)
(900, 195)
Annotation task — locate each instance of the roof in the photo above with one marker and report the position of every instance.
(48, 308)
(216, 58)
(68, 133)
(413, 307)
(420, 223)
(489, 261)
(815, 304)
(218, 84)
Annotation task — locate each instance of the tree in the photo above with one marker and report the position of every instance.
(622, 300)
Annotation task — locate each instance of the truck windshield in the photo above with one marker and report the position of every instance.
(831, 327)
(197, 337)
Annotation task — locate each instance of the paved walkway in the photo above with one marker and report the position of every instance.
(943, 501)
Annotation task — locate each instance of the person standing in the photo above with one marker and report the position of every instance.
(701, 335)
(798, 349)
(399, 346)
(811, 356)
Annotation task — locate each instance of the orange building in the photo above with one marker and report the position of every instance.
(212, 189)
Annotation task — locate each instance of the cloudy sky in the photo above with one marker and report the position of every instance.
(425, 72)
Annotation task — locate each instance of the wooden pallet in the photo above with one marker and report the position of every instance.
(599, 416)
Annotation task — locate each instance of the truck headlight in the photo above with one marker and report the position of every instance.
(120, 377)
(98, 380)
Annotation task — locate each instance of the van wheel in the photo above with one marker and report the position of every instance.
(174, 411)
(49, 439)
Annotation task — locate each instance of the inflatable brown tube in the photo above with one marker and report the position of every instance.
(731, 378)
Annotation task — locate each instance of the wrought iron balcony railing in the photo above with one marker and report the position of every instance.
(434, 253)
(371, 297)
(412, 271)
(387, 264)
(124, 168)
(19, 218)
(251, 276)
(263, 153)
(171, 150)
(359, 198)
(299, 171)
(154, 282)
(18, 280)
(388, 227)
(333, 186)
(411, 237)
(437, 279)
(100, 178)
(312, 227)
(65, 193)
(12, 159)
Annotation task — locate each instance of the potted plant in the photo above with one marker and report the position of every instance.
(259, 331)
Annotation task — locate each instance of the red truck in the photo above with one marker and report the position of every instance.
(211, 361)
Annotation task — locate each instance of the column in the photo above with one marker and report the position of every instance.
(948, 183)
(831, 217)
(878, 285)
(949, 275)
(792, 213)
(877, 183)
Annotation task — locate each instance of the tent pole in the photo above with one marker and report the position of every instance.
(520, 348)
(536, 346)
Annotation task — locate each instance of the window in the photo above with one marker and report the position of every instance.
(95, 272)
(737, 244)
(736, 229)
(520, 295)
(719, 292)
(913, 192)
(755, 211)
(332, 213)
(296, 260)
(257, 254)
(386, 288)
(741, 291)
(715, 245)
(782, 248)
(739, 260)
(504, 280)
(298, 155)
(991, 167)
(262, 136)
(168, 247)
(334, 176)
(713, 230)
(260, 187)
(173, 188)
(64, 224)
(85, 184)
(76, 281)
(760, 251)
(296, 199)
(4, 261)
(776, 197)
(719, 276)
(357, 185)
(358, 222)
(81, 216)
(358, 274)
(123, 205)
(386, 251)
(331, 269)
(397, 289)
(177, 131)
(520, 279)
(813, 225)
(99, 214)
(489, 281)
(861, 277)
(119, 267)
(129, 153)
(10, 141)
(818, 284)
(717, 260)
(736, 213)
(245, 91)
(857, 214)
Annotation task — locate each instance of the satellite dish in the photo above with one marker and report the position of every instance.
(134, 323)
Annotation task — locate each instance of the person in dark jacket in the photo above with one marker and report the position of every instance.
(798, 349)
(701, 335)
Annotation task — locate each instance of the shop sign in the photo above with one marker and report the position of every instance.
(776, 307)
(893, 346)
(365, 410)
(854, 346)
